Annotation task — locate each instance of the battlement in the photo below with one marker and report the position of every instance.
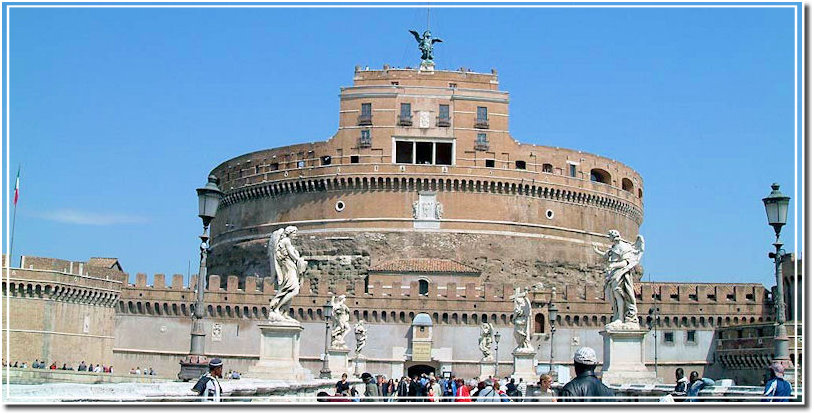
(646, 293)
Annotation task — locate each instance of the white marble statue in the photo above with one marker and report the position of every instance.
(485, 342)
(360, 330)
(522, 320)
(341, 321)
(287, 266)
(621, 258)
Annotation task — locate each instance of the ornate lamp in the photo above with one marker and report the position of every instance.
(194, 365)
(777, 209)
(552, 320)
(327, 310)
(497, 347)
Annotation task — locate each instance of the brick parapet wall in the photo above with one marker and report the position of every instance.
(717, 304)
(61, 286)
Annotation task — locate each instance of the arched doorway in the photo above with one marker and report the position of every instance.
(421, 368)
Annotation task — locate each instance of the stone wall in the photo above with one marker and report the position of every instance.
(56, 316)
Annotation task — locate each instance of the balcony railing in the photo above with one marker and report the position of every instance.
(365, 119)
(365, 142)
(481, 123)
(405, 120)
(481, 145)
(442, 122)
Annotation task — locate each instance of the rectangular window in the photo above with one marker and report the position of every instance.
(326, 160)
(490, 163)
(365, 116)
(453, 85)
(300, 164)
(366, 109)
(394, 83)
(405, 110)
(274, 166)
(404, 152)
(520, 165)
(572, 170)
(669, 337)
(481, 143)
(482, 114)
(443, 112)
(548, 168)
(364, 139)
(354, 159)
(443, 153)
(690, 336)
(423, 152)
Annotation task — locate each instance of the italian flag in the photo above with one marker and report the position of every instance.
(17, 187)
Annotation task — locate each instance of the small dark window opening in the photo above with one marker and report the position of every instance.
(548, 168)
(572, 170)
(730, 296)
(367, 284)
(423, 287)
(354, 159)
(443, 153)
(394, 83)
(490, 163)
(274, 166)
(693, 297)
(539, 323)
(740, 333)
(326, 160)
(674, 296)
(404, 152)
(690, 336)
(520, 165)
(669, 337)
(423, 152)
(453, 85)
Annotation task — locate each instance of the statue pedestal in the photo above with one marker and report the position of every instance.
(524, 366)
(359, 365)
(338, 361)
(280, 353)
(487, 368)
(623, 361)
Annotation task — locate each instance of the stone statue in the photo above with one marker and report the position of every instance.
(360, 330)
(439, 210)
(287, 266)
(485, 343)
(425, 43)
(621, 258)
(522, 320)
(341, 319)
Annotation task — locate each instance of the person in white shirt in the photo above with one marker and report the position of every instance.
(208, 386)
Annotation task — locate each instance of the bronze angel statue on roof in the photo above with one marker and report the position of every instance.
(425, 43)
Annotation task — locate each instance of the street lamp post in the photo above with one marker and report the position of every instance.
(777, 208)
(497, 347)
(654, 325)
(552, 319)
(325, 372)
(194, 365)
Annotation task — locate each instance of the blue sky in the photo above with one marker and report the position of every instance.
(117, 115)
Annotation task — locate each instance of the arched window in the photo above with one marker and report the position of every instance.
(601, 176)
(539, 323)
(423, 287)
(627, 185)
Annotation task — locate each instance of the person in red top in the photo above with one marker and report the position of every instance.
(463, 392)
(53, 365)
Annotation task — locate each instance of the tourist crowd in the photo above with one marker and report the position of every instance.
(584, 387)
(81, 367)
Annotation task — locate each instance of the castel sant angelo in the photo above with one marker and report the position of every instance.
(422, 202)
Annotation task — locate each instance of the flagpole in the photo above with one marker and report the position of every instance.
(14, 220)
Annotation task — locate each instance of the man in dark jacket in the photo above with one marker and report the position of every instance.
(415, 390)
(372, 390)
(586, 386)
(404, 389)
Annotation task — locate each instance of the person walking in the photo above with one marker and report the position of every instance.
(208, 387)
(403, 389)
(586, 386)
(372, 390)
(777, 388)
(697, 384)
(462, 394)
(342, 385)
(488, 393)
